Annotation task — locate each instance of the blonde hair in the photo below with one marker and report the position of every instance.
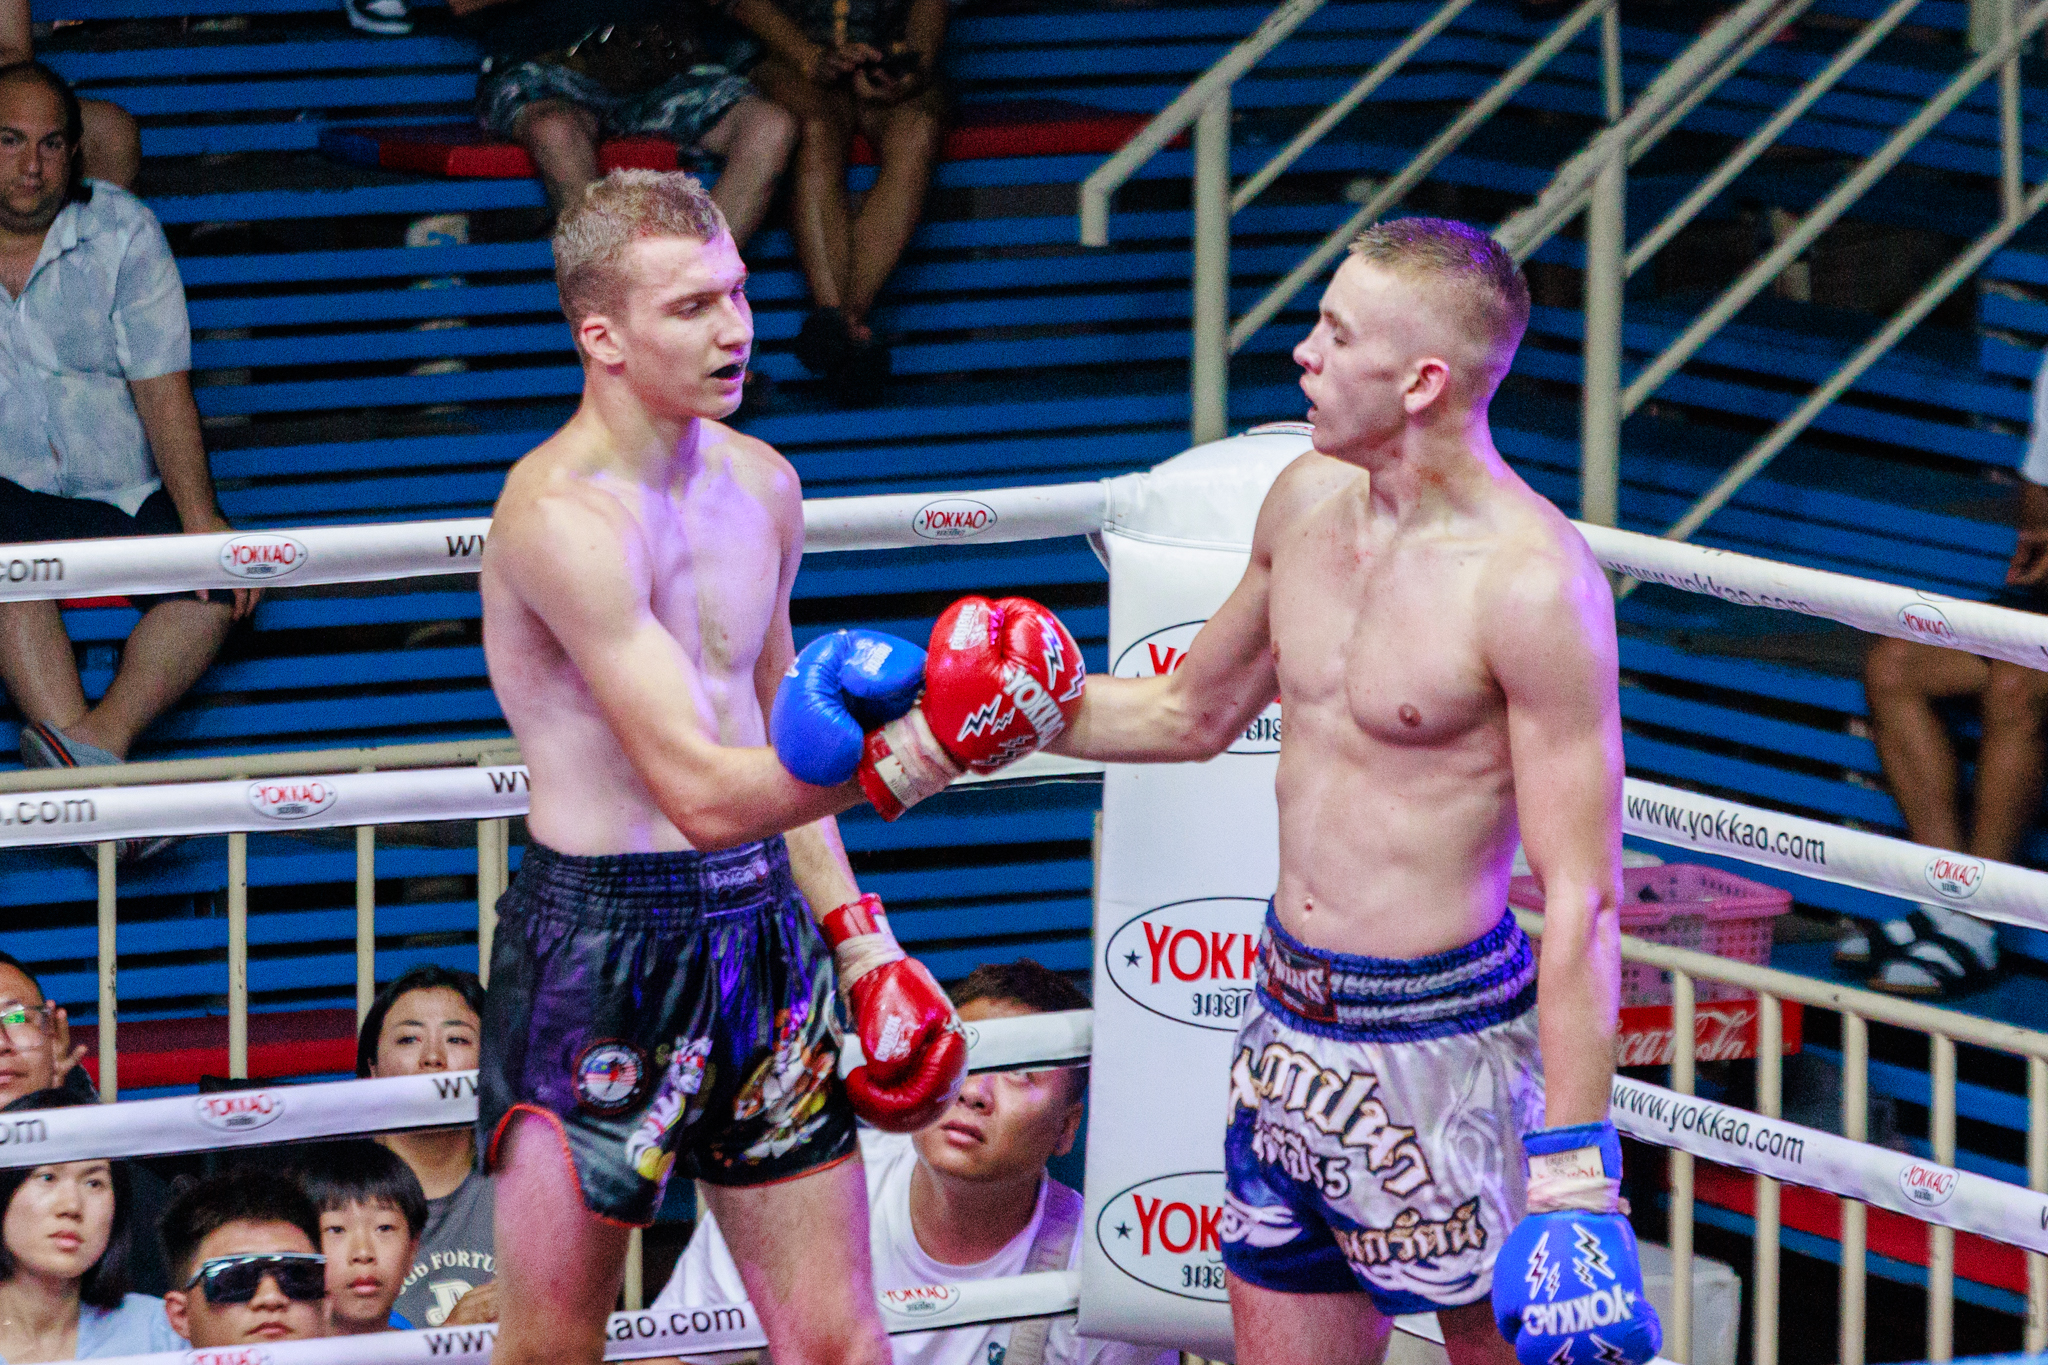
(1462, 266)
(612, 214)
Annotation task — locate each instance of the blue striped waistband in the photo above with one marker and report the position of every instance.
(1398, 1000)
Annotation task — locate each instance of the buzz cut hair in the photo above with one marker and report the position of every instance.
(625, 207)
(1462, 265)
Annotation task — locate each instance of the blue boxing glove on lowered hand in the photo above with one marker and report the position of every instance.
(1567, 1287)
(843, 685)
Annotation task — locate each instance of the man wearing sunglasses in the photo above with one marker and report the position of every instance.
(245, 1262)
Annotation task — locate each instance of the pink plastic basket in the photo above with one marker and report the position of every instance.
(1687, 906)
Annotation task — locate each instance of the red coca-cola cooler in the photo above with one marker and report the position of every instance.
(1710, 911)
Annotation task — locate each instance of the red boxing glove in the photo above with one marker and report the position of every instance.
(916, 1049)
(1001, 680)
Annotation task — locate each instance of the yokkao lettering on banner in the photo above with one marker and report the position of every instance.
(1190, 852)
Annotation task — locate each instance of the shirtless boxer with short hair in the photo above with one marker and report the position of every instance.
(1443, 644)
(661, 991)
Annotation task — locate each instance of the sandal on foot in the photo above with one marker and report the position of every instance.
(823, 344)
(1934, 963)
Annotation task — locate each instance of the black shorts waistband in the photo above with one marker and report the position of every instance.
(1489, 981)
(648, 888)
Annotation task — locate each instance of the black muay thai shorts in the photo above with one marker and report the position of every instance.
(664, 1012)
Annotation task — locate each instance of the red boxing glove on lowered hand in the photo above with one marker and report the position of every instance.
(1001, 680)
(916, 1049)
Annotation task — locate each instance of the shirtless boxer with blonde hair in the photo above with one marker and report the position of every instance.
(661, 991)
(1443, 644)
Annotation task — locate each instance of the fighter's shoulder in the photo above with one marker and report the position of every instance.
(1307, 482)
(547, 513)
(1539, 561)
(761, 469)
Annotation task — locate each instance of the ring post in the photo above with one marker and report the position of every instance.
(366, 919)
(1684, 1052)
(238, 955)
(1770, 1076)
(110, 1059)
(1209, 375)
(1855, 1214)
(1941, 1241)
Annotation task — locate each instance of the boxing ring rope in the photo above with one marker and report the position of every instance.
(36, 811)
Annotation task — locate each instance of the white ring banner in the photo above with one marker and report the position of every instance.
(663, 1331)
(343, 554)
(240, 559)
(1833, 853)
(1822, 1161)
(301, 1113)
(1671, 815)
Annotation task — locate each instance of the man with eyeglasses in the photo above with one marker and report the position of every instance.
(245, 1262)
(35, 1038)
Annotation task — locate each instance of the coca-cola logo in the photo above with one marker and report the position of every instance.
(1165, 650)
(1955, 875)
(1928, 1185)
(1190, 961)
(952, 519)
(265, 555)
(1721, 1033)
(239, 1110)
(925, 1301)
(1166, 1233)
(1926, 622)
(296, 798)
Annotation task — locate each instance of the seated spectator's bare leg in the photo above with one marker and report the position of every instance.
(907, 138)
(37, 665)
(1902, 681)
(169, 650)
(559, 1265)
(755, 137)
(2009, 760)
(562, 140)
(113, 143)
(801, 1247)
(818, 211)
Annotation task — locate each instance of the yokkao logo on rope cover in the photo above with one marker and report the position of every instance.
(238, 1110)
(924, 1301)
(296, 798)
(1165, 650)
(265, 554)
(1190, 961)
(1955, 875)
(228, 1355)
(952, 519)
(1166, 1233)
(1927, 622)
(1928, 1185)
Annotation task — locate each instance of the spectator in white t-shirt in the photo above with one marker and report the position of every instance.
(967, 1199)
(1936, 951)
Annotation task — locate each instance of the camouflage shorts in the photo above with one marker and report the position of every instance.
(684, 107)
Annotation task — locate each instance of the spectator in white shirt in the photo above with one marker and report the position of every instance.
(99, 435)
(967, 1199)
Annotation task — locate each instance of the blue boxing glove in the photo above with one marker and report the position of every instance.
(1567, 1286)
(843, 685)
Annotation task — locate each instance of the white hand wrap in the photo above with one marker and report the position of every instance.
(1572, 1180)
(915, 765)
(857, 956)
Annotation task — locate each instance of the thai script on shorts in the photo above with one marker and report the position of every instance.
(1414, 1238)
(1336, 1103)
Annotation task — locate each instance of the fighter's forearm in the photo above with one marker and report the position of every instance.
(1578, 995)
(1140, 720)
(817, 859)
(719, 796)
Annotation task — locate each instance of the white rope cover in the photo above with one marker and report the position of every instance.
(301, 1113)
(240, 559)
(339, 554)
(663, 1331)
(1812, 848)
(1823, 1161)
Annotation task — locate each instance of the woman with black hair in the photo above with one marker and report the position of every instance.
(65, 1231)
(425, 1023)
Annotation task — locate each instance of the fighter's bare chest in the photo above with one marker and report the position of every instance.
(1387, 636)
(715, 593)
